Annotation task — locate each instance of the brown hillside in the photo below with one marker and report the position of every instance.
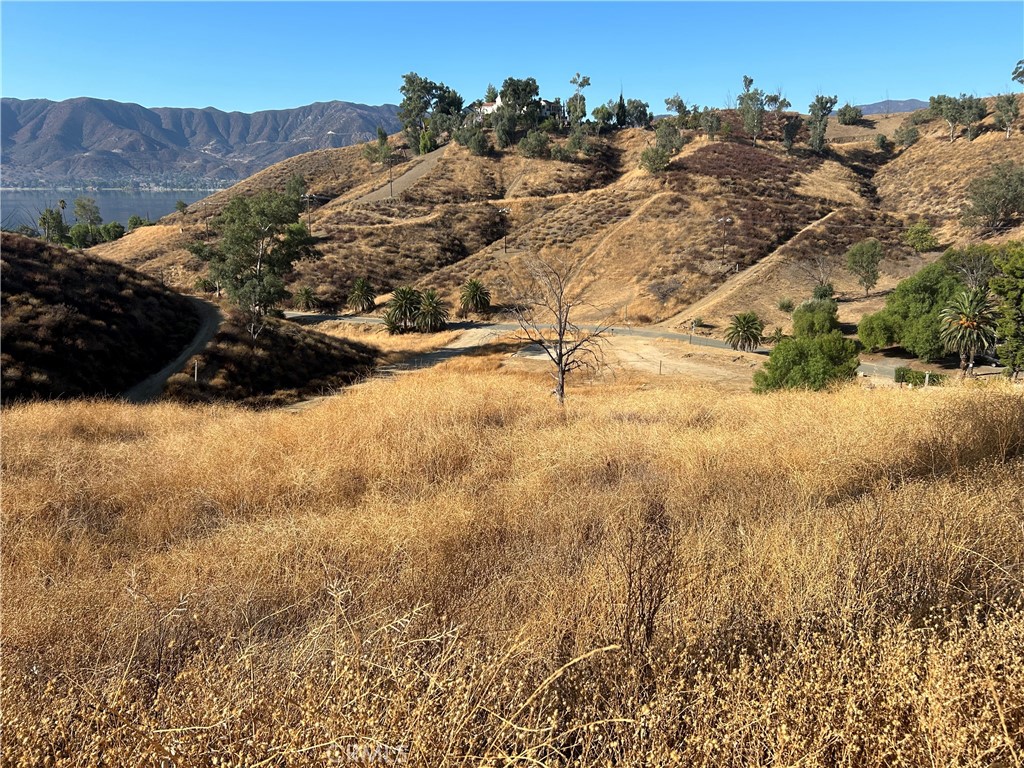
(657, 244)
(283, 364)
(77, 325)
(931, 177)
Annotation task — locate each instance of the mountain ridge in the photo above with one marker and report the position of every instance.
(99, 141)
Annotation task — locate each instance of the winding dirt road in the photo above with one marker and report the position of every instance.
(151, 387)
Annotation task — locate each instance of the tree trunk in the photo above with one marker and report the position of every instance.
(963, 365)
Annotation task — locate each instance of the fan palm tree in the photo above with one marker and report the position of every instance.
(745, 331)
(433, 314)
(362, 297)
(968, 325)
(402, 310)
(475, 297)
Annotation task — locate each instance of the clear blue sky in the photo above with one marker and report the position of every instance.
(250, 56)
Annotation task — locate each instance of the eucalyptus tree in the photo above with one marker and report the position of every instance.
(259, 240)
(751, 106)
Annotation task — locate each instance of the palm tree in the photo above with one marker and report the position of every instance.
(362, 297)
(433, 314)
(968, 325)
(402, 310)
(475, 297)
(744, 332)
(305, 300)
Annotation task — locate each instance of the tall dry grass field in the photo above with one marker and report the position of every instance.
(444, 569)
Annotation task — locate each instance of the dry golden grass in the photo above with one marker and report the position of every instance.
(392, 349)
(450, 566)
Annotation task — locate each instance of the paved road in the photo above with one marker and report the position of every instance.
(151, 387)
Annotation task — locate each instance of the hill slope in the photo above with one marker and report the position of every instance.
(74, 324)
(95, 141)
(655, 244)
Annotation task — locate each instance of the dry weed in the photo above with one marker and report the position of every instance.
(447, 569)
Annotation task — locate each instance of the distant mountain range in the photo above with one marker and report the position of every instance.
(108, 143)
(890, 106)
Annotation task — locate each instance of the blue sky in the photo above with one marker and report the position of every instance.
(250, 56)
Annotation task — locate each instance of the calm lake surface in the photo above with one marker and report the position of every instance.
(19, 207)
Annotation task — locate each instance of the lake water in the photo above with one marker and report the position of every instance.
(19, 207)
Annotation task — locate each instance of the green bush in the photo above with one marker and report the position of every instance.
(849, 115)
(654, 159)
(826, 291)
(562, 154)
(994, 201)
(815, 317)
(882, 143)
(535, 144)
(906, 135)
(810, 362)
(919, 237)
(876, 331)
(786, 305)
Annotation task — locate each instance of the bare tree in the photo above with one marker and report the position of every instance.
(818, 265)
(547, 292)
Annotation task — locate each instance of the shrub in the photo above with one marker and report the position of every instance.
(809, 362)
(919, 237)
(849, 115)
(535, 144)
(473, 138)
(911, 314)
(906, 135)
(825, 291)
(786, 305)
(815, 317)
(876, 331)
(654, 159)
(882, 143)
(562, 154)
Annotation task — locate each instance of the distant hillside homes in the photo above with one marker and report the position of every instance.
(88, 141)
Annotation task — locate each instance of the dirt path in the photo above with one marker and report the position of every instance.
(406, 180)
(151, 387)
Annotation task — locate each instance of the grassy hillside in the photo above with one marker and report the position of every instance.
(636, 581)
(74, 324)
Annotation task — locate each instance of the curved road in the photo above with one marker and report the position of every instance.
(150, 388)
